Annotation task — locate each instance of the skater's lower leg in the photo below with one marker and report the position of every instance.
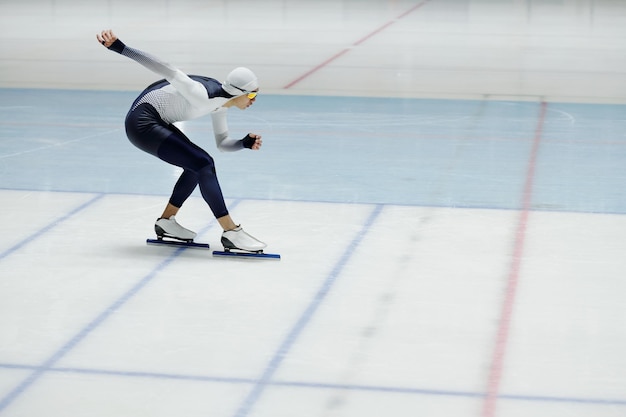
(170, 210)
(227, 223)
(204, 176)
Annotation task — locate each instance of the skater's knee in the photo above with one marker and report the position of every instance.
(208, 167)
(201, 165)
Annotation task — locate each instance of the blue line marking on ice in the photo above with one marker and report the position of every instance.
(315, 385)
(130, 374)
(26, 383)
(89, 328)
(305, 318)
(45, 229)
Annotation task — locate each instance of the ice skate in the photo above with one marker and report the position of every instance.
(238, 239)
(171, 229)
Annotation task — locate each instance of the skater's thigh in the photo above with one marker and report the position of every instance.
(178, 150)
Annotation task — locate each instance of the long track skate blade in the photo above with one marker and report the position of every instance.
(235, 254)
(165, 242)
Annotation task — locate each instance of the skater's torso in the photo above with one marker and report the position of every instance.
(173, 107)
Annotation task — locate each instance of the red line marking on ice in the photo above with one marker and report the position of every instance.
(311, 71)
(360, 41)
(497, 363)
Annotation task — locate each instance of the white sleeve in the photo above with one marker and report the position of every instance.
(220, 129)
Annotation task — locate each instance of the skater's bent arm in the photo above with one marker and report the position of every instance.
(220, 129)
(190, 89)
(224, 142)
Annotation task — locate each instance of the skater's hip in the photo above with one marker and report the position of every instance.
(146, 129)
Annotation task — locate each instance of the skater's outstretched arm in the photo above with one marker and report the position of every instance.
(190, 89)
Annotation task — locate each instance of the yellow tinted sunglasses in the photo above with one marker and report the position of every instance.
(249, 94)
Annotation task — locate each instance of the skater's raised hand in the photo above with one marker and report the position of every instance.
(106, 37)
(252, 141)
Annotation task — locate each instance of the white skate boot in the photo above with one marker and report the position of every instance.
(170, 228)
(238, 239)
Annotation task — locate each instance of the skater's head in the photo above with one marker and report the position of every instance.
(243, 85)
(241, 81)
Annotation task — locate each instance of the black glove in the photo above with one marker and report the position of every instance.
(117, 46)
(248, 141)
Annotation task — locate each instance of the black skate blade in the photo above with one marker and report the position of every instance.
(244, 254)
(167, 242)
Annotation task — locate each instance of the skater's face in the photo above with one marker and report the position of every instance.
(243, 102)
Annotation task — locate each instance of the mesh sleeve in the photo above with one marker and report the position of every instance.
(190, 89)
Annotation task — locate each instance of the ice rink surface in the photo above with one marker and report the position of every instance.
(443, 179)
